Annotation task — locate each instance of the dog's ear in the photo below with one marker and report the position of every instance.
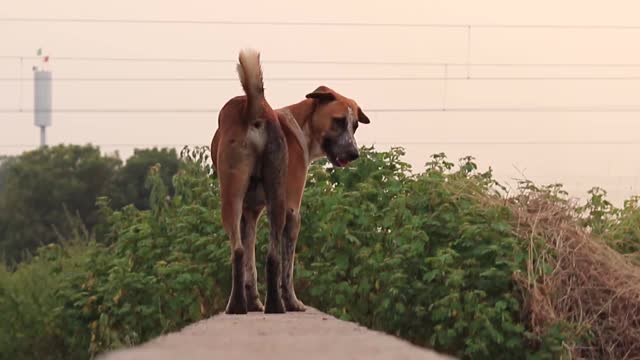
(323, 94)
(362, 117)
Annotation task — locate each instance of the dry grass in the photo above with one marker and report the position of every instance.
(577, 279)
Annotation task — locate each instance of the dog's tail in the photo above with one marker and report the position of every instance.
(250, 73)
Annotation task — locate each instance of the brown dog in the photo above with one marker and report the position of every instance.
(262, 156)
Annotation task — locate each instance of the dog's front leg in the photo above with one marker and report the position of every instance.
(290, 238)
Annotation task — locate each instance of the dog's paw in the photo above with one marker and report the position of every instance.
(274, 307)
(291, 303)
(236, 305)
(255, 306)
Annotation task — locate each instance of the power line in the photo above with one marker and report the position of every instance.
(383, 78)
(512, 109)
(453, 143)
(109, 145)
(534, 109)
(313, 23)
(315, 62)
(525, 143)
(232, 61)
(113, 110)
(216, 79)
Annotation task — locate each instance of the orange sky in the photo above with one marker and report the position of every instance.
(579, 166)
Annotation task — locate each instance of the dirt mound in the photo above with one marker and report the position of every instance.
(576, 279)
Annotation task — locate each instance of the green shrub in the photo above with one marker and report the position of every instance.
(618, 227)
(422, 257)
(35, 299)
(428, 257)
(164, 268)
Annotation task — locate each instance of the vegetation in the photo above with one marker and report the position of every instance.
(41, 190)
(130, 182)
(442, 258)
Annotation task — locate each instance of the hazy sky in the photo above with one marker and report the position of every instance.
(579, 166)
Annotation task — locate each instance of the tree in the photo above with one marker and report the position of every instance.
(130, 183)
(40, 188)
(5, 162)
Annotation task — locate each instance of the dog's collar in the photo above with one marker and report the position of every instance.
(291, 122)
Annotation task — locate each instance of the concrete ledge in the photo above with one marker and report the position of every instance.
(308, 336)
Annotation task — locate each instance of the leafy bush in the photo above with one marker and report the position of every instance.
(429, 257)
(422, 256)
(620, 228)
(160, 270)
(36, 317)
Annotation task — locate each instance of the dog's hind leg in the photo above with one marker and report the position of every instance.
(274, 174)
(233, 186)
(248, 228)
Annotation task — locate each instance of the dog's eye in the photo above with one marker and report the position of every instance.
(340, 123)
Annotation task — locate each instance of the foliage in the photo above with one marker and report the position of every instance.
(5, 162)
(129, 184)
(418, 256)
(620, 228)
(429, 257)
(40, 186)
(35, 321)
(624, 234)
(165, 268)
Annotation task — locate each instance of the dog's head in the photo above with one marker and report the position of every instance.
(334, 124)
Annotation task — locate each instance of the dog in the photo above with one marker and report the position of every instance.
(262, 156)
